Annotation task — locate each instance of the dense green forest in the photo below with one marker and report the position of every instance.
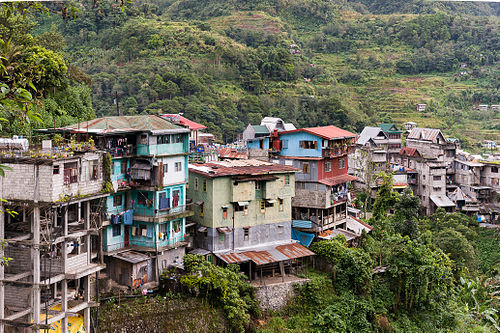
(310, 62)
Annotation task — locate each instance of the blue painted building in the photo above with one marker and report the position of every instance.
(145, 216)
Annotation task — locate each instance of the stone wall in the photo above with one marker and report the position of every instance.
(275, 297)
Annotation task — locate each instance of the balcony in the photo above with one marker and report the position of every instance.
(149, 214)
(333, 152)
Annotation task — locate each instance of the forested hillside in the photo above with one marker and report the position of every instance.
(311, 62)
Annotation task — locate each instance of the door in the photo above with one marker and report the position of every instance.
(127, 236)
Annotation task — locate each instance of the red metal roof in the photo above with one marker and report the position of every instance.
(337, 180)
(267, 254)
(326, 132)
(407, 151)
(239, 167)
(193, 126)
(305, 158)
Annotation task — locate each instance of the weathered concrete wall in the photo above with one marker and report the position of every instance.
(275, 297)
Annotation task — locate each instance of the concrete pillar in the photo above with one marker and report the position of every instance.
(2, 270)
(64, 305)
(86, 297)
(88, 237)
(35, 254)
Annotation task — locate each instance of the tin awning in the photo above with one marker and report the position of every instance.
(266, 254)
(442, 201)
(271, 201)
(202, 229)
(224, 230)
(243, 203)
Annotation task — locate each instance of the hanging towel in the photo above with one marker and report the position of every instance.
(144, 232)
(128, 217)
(134, 231)
(149, 233)
(160, 235)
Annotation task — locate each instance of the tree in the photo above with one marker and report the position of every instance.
(385, 199)
(405, 219)
(421, 277)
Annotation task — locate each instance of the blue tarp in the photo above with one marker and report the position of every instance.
(304, 238)
(302, 224)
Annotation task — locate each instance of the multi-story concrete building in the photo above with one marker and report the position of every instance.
(431, 143)
(321, 188)
(394, 141)
(53, 239)
(243, 213)
(144, 215)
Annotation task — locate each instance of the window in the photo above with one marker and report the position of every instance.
(246, 233)
(342, 163)
(70, 173)
(166, 139)
(117, 200)
(281, 206)
(328, 166)
(262, 206)
(224, 212)
(144, 139)
(280, 229)
(204, 185)
(305, 167)
(284, 144)
(494, 169)
(287, 179)
(196, 183)
(123, 166)
(201, 210)
(178, 166)
(165, 168)
(423, 177)
(308, 144)
(221, 237)
(117, 230)
(163, 228)
(437, 189)
(258, 186)
(244, 209)
(178, 138)
(94, 169)
(436, 177)
(55, 170)
(261, 144)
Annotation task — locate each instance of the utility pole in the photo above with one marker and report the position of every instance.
(116, 102)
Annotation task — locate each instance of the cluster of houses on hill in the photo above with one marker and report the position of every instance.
(117, 200)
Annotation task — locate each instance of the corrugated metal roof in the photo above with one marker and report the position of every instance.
(132, 257)
(442, 201)
(427, 134)
(267, 254)
(177, 118)
(239, 167)
(407, 151)
(302, 224)
(389, 128)
(232, 153)
(326, 132)
(329, 234)
(260, 129)
(337, 180)
(124, 124)
(369, 133)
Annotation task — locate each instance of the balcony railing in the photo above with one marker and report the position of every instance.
(150, 212)
(332, 152)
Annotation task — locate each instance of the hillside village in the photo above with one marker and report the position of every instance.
(111, 204)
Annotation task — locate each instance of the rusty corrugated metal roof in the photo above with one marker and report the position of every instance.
(232, 154)
(331, 181)
(267, 254)
(239, 167)
(123, 124)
